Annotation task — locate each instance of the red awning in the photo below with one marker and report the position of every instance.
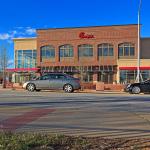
(22, 69)
(134, 68)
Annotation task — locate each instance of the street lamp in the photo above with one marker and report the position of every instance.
(138, 57)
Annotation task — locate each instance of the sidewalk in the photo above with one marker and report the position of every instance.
(84, 91)
(102, 92)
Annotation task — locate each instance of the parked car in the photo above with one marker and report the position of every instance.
(136, 88)
(53, 81)
(126, 87)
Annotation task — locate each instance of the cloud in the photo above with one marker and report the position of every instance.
(10, 62)
(18, 32)
(19, 27)
(4, 36)
(14, 32)
(30, 31)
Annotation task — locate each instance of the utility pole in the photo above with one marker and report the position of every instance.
(139, 76)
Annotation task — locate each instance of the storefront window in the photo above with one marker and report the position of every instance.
(105, 49)
(66, 51)
(87, 77)
(85, 50)
(145, 74)
(129, 76)
(106, 77)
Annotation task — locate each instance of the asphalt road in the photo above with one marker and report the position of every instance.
(85, 114)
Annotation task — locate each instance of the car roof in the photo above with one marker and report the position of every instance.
(57, 73)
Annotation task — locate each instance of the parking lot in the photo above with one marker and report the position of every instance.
(86, 114)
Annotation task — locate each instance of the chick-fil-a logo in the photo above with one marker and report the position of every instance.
(82, 35)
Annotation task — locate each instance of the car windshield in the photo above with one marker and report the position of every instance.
(146, 81)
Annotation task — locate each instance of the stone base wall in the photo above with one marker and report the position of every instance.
(100, 86)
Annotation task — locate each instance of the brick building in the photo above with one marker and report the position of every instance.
(101, 53)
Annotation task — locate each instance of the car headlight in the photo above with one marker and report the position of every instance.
(128, 86)
(25, 84)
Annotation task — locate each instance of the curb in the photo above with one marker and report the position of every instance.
(103, 92)
(85, 91)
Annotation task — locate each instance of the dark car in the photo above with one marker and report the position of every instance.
(136, 88)
(53, 81)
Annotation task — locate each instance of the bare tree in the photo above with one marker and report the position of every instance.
(4, 61)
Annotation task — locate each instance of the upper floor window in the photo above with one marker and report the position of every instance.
(47, 52)
(85, 50)
(105, 49)
(25, 58)
(126, 49)
(66, 50)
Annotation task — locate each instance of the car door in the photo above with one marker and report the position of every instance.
(146, 86)
(43, 82)
(57, 81)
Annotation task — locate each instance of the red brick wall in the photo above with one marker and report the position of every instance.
(105, 34)
(100, 86)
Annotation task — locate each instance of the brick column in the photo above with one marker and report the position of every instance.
(57, 54)
(75, 53)
(95, 78)
(95, 52)
(116, 51)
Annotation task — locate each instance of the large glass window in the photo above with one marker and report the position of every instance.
(47, 52)
(129, 76)
(126, 49)
(105, 49)
(87, 77)
(25, 58)
(66, 50)
(106, 77)
(85, 50)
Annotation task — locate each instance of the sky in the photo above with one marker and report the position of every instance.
(21, 18)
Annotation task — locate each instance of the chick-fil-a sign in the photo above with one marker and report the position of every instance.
(83, 35)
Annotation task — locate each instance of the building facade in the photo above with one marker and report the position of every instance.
(25, 50)
(89, 52)
(95, 54)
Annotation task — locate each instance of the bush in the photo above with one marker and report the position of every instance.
(28, 141)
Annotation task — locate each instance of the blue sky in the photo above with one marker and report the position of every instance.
(20, 18)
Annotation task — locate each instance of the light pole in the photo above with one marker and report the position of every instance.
(138, 57)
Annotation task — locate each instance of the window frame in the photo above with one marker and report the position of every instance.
(124, 47)
(66, 50)
(85, 50)
(105, 50)
(47, 49)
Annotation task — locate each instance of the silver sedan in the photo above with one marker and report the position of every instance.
(53, 81)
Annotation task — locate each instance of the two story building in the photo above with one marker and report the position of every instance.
(95, 54)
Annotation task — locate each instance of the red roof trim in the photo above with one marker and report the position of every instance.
(134, 68)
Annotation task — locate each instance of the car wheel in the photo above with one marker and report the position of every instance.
(31, 87)
(68, 88)
(136, 90)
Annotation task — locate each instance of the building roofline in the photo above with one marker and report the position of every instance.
(24, 38)
(145, 37)
(86, 27)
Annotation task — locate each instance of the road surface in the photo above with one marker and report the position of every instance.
(78, 114)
